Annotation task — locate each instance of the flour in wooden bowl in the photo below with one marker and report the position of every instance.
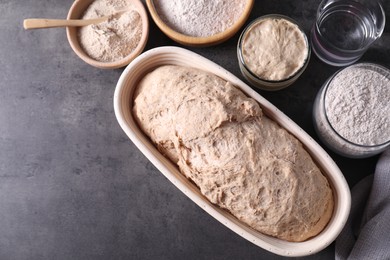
(114, 39)
(200, 18)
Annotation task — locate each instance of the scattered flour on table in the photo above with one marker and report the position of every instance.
(200, 18)
(114, 39)
(357, 105)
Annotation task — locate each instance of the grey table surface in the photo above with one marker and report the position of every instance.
(73, 186)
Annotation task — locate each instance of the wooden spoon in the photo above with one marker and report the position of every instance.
(37, 23)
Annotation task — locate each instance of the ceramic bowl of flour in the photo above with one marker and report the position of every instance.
(123, 103)
(111, 44)
(199, 24)
(351, 111)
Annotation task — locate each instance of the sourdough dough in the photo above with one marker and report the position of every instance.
(240, 159)
(274, 49)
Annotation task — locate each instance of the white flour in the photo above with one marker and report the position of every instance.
(357, 105)
(114, 39)
(200, 18)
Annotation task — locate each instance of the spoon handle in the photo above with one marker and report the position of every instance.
(49, 23)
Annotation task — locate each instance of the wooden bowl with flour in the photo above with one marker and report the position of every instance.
(192, 23)
(111, 44)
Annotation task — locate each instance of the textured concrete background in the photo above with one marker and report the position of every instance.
(73, 186)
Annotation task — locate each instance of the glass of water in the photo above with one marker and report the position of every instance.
(344, 29)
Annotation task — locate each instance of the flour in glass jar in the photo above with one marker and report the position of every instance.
(200, 18)
(357, 104)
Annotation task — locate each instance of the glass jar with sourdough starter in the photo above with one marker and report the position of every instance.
(273, 51)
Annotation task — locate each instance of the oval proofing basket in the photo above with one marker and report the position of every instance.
(123, 103)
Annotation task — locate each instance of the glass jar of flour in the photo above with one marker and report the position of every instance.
(351, 112)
